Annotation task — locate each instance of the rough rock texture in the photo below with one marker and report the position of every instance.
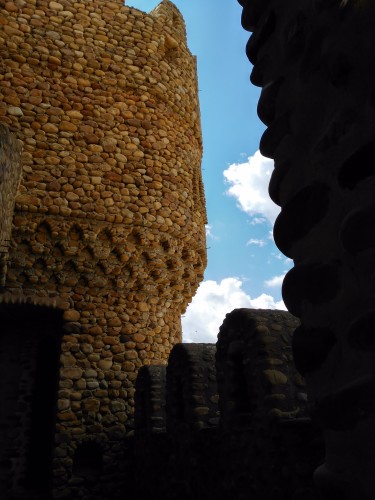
(110, 214)
(10, 176)
(192, 396)
(255, 369)
(316, 64)
(151, 450)
(191, 413)
(185, 447)
(261, 444)
(263, 407)
(150, 402)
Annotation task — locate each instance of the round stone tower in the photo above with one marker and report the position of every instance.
(109, 218)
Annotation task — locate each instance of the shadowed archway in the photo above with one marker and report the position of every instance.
(30, 339)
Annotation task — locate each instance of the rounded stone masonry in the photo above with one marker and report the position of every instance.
(150, 400)
(256, 377)
(263, 408)
(109, 216)
(192, 396)
(315, 62)
(10, 177)
(192, 419)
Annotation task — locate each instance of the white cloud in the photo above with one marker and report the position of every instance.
(257, 220)
(258, 243)
(265, 301)
(276, 281)
(209, 233)
(213, 301)
(278, 256)
(249, 185)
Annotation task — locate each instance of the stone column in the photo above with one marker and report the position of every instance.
(315, 63)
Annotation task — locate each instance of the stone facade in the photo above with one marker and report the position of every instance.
(315, 62)
(10, 176)
(109, 217)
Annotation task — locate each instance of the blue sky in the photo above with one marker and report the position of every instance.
(245, 268)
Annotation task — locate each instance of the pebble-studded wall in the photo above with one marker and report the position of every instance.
(10, 176)
(109, 217)
(228, 420)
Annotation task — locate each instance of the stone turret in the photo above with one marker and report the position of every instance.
(109, 217)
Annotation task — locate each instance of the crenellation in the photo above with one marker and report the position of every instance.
(233, 426)
(107, 248)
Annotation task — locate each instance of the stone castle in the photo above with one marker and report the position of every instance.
(102, 246)
(314, 60)
(102, 237)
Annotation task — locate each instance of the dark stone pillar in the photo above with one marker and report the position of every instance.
(263, 408)
(315, 62)
(151, 441)
(30, 342)
(192, 421)
(150, 400)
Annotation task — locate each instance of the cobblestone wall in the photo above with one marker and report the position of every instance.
(110, 213)
(261, 444)
(261, 395)
(10, 176)
(192, 397)
(255, 370)
(149, 417)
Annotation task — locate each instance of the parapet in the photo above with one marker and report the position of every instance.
(192, 396)
(256, 376)
(261, 441)
(150, 400)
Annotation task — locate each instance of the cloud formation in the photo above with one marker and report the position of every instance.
(209, 233)
(256, 242)
(249, 185)
(212, 302)
(276, 281)
(257, 220)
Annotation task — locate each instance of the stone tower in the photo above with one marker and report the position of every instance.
(109, 219)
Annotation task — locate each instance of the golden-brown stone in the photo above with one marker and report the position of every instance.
(110, 214)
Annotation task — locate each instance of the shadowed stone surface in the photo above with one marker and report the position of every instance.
(10, 177)
(260, 444)
(315, 63)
